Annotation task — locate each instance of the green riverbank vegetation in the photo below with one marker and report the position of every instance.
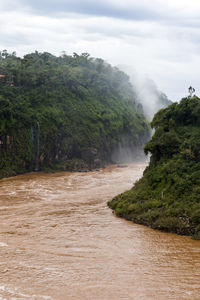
(65, 113)
(167, 197)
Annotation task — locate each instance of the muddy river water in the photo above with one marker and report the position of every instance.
(59, 240)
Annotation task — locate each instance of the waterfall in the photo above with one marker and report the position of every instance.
(32, 145)
(37, 148)
(35, 145)
(32, 140)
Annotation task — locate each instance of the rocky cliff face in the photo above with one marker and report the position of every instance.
(66, 113)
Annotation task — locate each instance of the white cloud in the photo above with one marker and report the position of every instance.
(158, 38)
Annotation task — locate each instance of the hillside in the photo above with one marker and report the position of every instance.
(167, 197)
(65, 113)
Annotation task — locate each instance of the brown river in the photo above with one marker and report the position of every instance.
(59, 240)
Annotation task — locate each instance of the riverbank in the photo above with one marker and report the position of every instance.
(167, 197)
(66, 113)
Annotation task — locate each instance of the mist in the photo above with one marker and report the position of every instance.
(152, 100)
(146, 91)
(124, 154)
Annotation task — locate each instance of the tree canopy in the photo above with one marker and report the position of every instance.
(82, 105)
(167, 197)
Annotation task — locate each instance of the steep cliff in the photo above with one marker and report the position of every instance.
(167, 197)
(66, 113)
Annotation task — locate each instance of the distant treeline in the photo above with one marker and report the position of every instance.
(65, 113)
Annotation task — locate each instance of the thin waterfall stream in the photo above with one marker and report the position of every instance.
(35, 145)
(37, 148)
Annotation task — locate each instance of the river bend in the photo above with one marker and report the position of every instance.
(59, 240)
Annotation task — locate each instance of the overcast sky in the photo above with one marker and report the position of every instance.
(158, 38)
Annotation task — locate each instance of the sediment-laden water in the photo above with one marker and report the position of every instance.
(59, 240)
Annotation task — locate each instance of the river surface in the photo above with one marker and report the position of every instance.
(59, 240)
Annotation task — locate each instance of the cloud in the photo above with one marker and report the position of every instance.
(158, 38)
(120, 9)
(115, 9)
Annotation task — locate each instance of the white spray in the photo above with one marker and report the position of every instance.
(147, 93)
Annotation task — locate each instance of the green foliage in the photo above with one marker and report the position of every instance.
(168, 195)
(79, 102)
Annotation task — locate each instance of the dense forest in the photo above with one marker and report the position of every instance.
(66, 113)
(167, 197)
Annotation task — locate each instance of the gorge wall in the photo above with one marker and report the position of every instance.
(66, 113)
